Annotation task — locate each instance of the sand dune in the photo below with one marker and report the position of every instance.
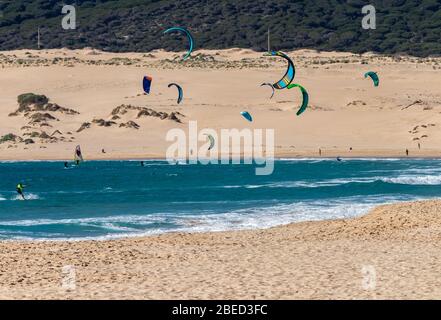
(391, 253)
(346, 110)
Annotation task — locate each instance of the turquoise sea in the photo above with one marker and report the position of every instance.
(110, 199)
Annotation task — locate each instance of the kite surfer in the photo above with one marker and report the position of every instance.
(20, 188)
(78, 156)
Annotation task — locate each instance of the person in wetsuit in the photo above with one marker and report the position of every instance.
(20, 188)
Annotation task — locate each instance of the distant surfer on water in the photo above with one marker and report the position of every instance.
(78, 156)
(338, 159)
(20, 188)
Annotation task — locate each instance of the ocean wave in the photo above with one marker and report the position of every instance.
(255, 217)
(115, 227)
(156, 164)
(28, 196)
(420, 171)
(303, 183)
(138, 219)
(414, 180)
(404, 179)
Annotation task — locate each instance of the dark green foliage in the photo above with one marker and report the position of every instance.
(403, 26)
(8, 138)
(26, 99)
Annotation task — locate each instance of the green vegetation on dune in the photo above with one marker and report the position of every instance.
(403, 26)
(27, 99)
(9, 138)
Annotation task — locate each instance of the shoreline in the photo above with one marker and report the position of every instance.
(172, 233)
(307, 260)
(203, 232)
(276, 158)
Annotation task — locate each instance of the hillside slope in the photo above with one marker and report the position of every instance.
(403, 26)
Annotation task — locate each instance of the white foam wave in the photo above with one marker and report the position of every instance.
(256, 217)
(114, 227)
(404, 179)
(135, 219)
(415, 180)
(28, 196)
(304, 183)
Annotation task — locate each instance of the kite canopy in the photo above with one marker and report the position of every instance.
(247, 116)
(180, 91)
(305, 97)
(270, 85)
(290, 73)
(189, 37)
(78, 156)
(212, 141)
(147, 83)
(373, 76)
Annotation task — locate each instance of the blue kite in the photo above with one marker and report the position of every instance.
(147, 83)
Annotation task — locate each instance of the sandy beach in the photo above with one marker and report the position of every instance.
(345, 111)
(390, 253)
